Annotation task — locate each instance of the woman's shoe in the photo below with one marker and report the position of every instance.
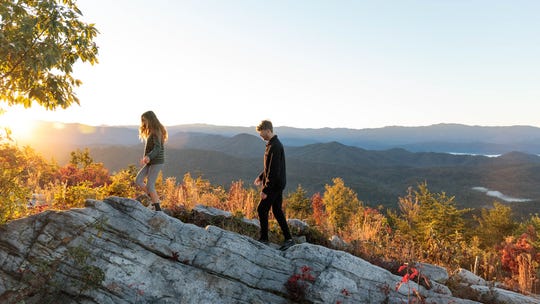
(143, 199)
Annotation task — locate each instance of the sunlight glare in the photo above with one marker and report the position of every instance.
(21, 126)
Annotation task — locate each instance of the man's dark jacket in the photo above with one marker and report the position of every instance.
(273, 176)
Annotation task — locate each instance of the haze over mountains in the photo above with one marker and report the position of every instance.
(379, 164)
(435, 138)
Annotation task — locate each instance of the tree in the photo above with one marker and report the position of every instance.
(521, 258)
(340, 202)
(433, 222)
(81, 159)
(495, 224)
(298, 204)
(425, 214)
(40, 41)
(319, 213)
(82, 168)
(13, 190)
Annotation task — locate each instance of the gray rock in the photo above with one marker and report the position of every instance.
(467, 284)
(337, 243)
(208, 211)
(467, 277)
(211, 211)
(117, 251)
(433, 272)
(298, 226)
(500, 296)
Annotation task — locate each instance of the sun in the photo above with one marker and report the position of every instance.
(21, 126)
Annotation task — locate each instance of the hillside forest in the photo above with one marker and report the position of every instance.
(426, 226)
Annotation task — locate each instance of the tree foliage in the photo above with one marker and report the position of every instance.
(425, 214)
(319, 213)
(22, 171)
(433, 221)
(340, 202)
(13, 189)
(367, 226)
(495, 224)
(298, 204)
(83, 169)
(40, 41)
(122, 183)
(238, 199)
(81, 159)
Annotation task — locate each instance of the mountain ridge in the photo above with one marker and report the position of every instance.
(378, 176)
(449, 138)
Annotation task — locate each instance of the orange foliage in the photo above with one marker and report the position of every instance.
(95, 173)
(512, 248)
(319, 213)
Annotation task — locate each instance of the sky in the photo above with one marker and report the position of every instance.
(309, 63)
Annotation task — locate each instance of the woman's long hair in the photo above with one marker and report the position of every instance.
(150, 125)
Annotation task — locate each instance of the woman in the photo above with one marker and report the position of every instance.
(154, 134)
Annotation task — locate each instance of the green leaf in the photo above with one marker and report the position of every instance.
(37, 37)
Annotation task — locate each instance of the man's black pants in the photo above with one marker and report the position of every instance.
(273, 200)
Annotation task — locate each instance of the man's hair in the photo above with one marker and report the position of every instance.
(265, 125)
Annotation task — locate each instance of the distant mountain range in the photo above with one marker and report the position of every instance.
(448, 138)
(379, 164)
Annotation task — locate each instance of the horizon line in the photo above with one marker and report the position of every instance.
(291, 127)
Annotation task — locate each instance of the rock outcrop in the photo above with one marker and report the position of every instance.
(117, 251)
(469, 285)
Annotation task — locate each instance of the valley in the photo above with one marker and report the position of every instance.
(379, 177)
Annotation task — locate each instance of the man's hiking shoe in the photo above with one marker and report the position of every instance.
(287, 244)
(266, 242)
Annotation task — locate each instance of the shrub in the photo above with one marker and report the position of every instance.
(298, 283)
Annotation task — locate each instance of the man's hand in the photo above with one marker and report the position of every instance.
(258, 182)
(145, 160)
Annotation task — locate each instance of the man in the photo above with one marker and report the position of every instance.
(273, 182)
